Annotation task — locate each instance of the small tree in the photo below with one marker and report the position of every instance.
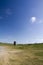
(14, 42)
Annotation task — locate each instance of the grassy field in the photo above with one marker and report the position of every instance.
(30, 54)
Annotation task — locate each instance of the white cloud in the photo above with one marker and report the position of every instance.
(33, 19)
(37, 20)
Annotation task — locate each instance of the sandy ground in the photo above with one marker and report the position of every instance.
(4, 55)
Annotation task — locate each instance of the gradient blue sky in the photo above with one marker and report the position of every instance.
(21, 20)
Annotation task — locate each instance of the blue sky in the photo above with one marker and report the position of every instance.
(21, 20)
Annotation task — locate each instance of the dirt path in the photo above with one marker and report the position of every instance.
(4, 55)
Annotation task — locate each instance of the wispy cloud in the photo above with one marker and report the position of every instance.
(8, 11)
(1, 17)
(41, 21)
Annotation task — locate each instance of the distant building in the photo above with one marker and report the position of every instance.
(14, 42)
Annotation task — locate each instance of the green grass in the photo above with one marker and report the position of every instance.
(31, 54)
(39, 54)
